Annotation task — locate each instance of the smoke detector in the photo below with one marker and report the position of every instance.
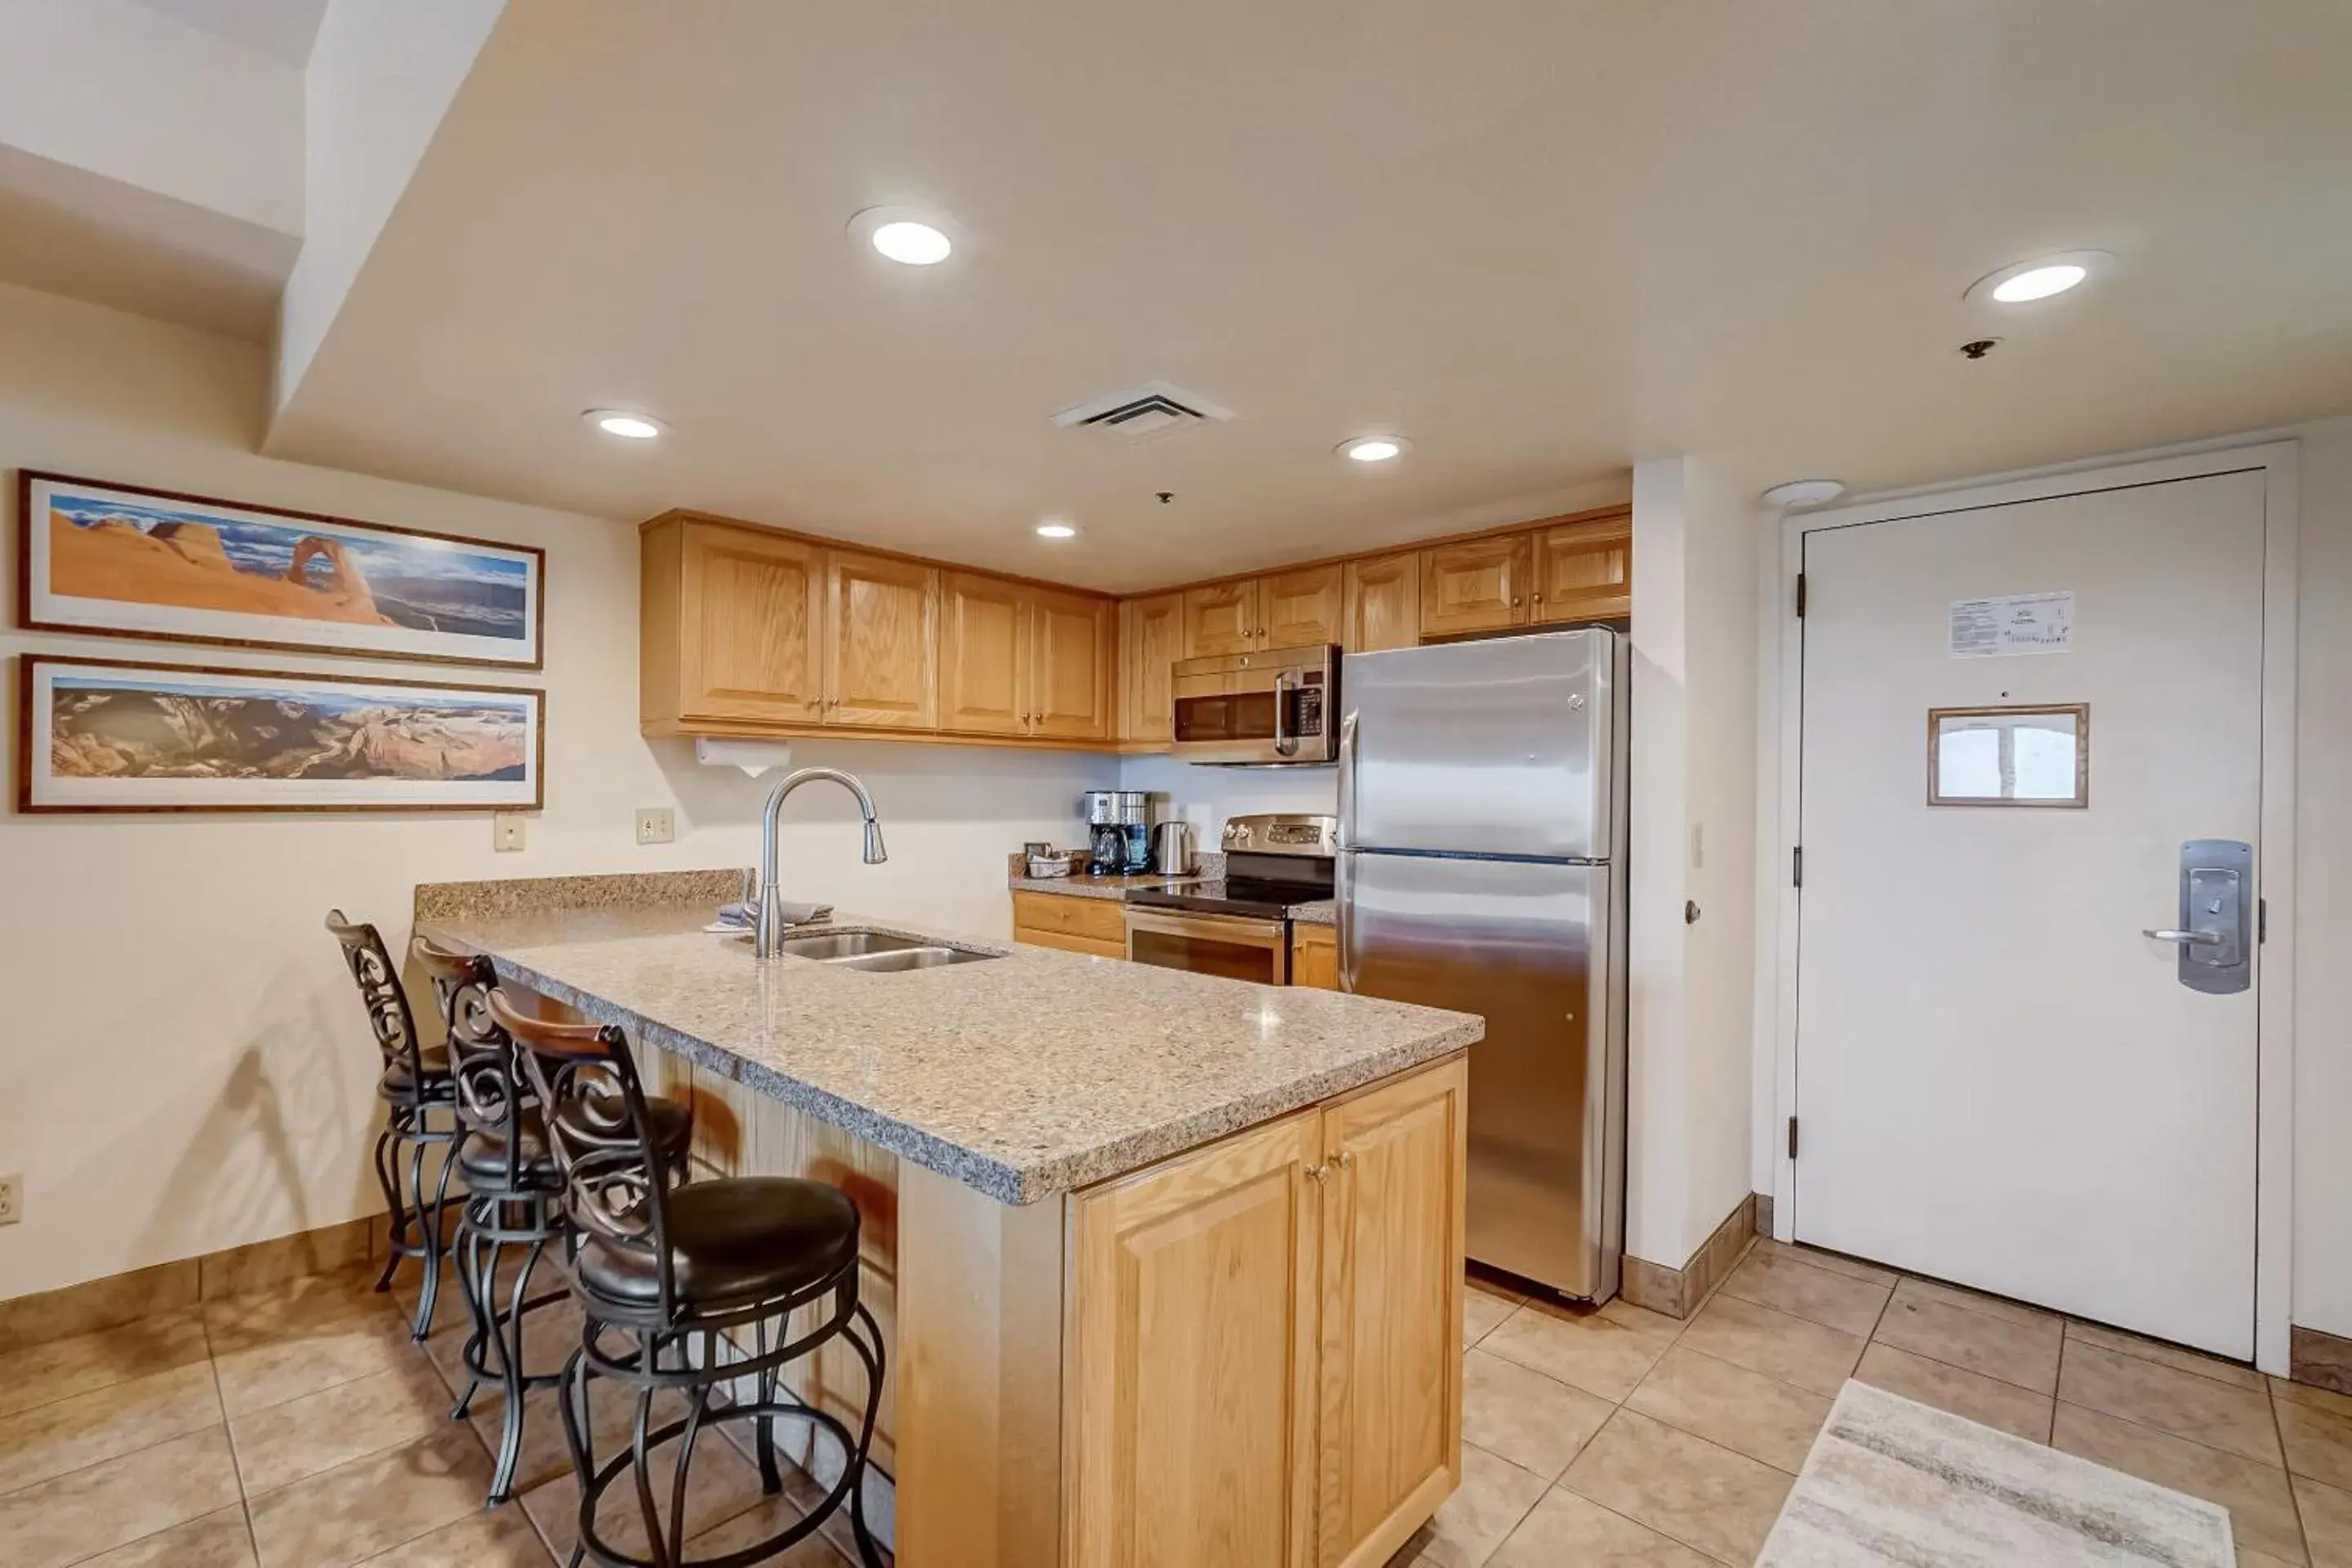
(1146, 413)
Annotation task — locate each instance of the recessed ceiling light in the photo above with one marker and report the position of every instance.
(629, 426)
(1056, 531)
(1374, 449)
(908, 235)
(2041, 278)
(1804, 492)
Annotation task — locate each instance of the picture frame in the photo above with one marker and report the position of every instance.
(101, 559)
(2029, 755)
(124, 735)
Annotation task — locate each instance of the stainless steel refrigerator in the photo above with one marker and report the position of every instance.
(1482, 841)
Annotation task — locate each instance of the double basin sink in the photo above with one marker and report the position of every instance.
(877, 953)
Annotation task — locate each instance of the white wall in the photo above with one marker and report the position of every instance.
(2323, 912)
(382, 74)
(1693, 814)
(129, 94)
(1206, 797)
(187, 1065)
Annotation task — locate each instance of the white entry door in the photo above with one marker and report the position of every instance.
(2000, 1079)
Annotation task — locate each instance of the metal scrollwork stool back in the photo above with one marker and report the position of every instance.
(688, 1290)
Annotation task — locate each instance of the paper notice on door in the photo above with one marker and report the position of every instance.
(2012, 625)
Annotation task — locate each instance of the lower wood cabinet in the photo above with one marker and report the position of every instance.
(1315, 957)
(1263, 1364)
(1096, 927)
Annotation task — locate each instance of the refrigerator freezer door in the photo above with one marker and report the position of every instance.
(1525, 945)
(1501, 747)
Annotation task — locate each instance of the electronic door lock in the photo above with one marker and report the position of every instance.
(2217, 909)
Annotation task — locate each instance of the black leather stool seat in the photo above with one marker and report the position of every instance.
(484, 1156)
(744, 1239)
(399, 1083)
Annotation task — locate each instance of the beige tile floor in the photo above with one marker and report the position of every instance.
(299, 1427)
(1622, 1438)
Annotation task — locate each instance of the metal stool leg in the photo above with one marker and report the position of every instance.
(387, 1176)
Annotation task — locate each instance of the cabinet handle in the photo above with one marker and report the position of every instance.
(1344, 1158)
(1538, 598)
(1515, 601)
(1319, 1172)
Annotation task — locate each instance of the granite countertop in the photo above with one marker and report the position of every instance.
(1023, 1077)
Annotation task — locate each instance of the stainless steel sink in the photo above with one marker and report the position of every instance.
(826, 946)
(906, 958)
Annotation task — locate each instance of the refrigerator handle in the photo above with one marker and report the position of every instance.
(1347, 779)
(1343, 873)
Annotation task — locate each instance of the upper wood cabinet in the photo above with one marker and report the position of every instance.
(881, 653)
(1221, 618)
(1070, 666)
(1301, 608)
(1150, 640)
(731, 627)
(984, 646)
(1382, 603)
(1584, 571)
(1194, 1442)
(1476, 585)
(1393, 1230)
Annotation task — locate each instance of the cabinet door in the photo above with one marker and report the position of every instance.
(1301, 608)
(1190, 1385)
(1584, 571)
(1477, 585)
(1315, 957)
(1391, 1429)
(983, 644)
(881, 656)
(1151, 639)
(750, 610)
(1382, 605)
(1222, 619)
(1070, 666)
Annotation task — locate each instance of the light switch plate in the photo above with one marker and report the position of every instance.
(506, 832)
(12, 1199)
(657, 824)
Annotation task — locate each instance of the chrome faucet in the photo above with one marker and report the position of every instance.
(768, 926)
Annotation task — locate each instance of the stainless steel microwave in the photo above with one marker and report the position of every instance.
(1266, 709)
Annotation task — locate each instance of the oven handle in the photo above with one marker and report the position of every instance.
(1239, 930)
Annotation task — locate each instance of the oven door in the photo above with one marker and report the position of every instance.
(1254, 707)
(1234, 946)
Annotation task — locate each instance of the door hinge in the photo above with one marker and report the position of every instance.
(1797, 867)
(2261, 921)
(1801, 595)
(1792, 1138)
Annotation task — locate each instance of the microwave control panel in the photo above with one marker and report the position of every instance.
(1309, 706)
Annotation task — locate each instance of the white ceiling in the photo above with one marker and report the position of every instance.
(285, 28)
(1546, 238)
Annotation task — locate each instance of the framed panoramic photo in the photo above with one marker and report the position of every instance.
(122, 560)
(95, 735)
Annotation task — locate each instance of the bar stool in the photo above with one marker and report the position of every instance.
(514, 1191)
(419, 1090)
(671, 1279)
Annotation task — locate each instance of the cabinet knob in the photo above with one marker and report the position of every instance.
(1515, 601)
(1344, 1158)
(1319, 1172)
(1538, 597)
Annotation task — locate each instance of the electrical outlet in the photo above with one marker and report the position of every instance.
(12, 1199)
(506, 832)
(657, 824)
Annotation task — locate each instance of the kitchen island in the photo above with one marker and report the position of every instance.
(1169, 1267)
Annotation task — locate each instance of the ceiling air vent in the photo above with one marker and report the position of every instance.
(1145, 413)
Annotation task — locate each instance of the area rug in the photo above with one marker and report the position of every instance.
(1891, 1481)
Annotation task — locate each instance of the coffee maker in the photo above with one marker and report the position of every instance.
(1118, 831)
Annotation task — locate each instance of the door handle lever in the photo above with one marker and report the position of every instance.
(2187, 938)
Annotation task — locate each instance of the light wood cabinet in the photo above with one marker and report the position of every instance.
(1070, 666)
(1150, 641)
(732, 627)
(1264, 1365)
(1223, 617)
(881, 652)
(1096, 927)
(1315, 957)
(1476, 585)
(984, 643)
(1382, 603)
(1193, 1358)
(1583, 571)
(1390, 1423)
(1301, 608)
